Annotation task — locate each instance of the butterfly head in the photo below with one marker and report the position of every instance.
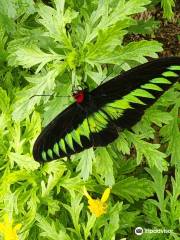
(80, 92)
(79, 96)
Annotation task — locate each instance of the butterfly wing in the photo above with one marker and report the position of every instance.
(70, 132)
(125, 97)
(55, 140)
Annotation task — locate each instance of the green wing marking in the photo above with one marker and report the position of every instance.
(62, 145)
(170, 74)
(50, 153)
(160, 80)
(44, 156)
(176, 68)
(56, 149)
(76, 137)
(132, 99)
(152, 87)
(69, 141)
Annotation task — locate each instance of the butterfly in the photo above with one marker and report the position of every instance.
(97, 117)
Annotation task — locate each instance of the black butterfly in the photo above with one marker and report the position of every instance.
(97, 117)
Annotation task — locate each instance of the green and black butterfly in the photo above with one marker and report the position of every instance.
(97, 117)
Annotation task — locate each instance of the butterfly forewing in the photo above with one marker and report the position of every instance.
(126, 97)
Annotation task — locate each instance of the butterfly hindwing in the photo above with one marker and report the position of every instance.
(59, 138)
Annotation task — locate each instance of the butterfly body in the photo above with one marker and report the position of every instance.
(97, 117)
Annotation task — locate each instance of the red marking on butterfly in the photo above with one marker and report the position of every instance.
(79, 96)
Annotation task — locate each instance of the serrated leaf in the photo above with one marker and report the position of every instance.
(85, 164)
(31, 56)
(144, 26)
(137, 51)
(4, 101)
(113, 226)
(158, 184)
(167, 6)
(104, 165)
(75, 209)
(24, 161)
(133, 189)
(49, 230)
(158, 117)
(171, 135)
(149, 151)
(55, 21)
(24, 105)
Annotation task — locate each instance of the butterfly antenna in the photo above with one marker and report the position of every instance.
(48, 95)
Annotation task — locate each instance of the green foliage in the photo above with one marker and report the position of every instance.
(167, 203)
(167, 6)
(145, 27)
(45, 49)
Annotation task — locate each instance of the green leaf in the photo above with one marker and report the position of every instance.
(85, 164)
(55, 21)
(104, 166)
(55, 170)
(137, 51)
(24, 161)
(90, 223)
(123, 145)
(159, 183)
(167, 6)
(4, 101)
(75, 209)
(174, 203)
(104, 17)
(40, 83)
(31, 56)
(113, 226)
(57, 104)
(149, 151)
(145, 27)
(151, 212)
(49, 230)
(132, 189)
(158, 117)
(107, 40)
(171, 135)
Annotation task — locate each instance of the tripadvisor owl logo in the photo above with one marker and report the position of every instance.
(138, 231)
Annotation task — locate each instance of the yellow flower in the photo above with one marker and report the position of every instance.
(98, 206)
(9, 232)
